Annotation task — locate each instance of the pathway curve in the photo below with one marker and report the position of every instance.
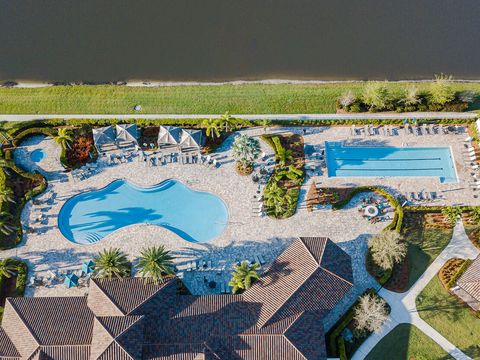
(363, 116)
(403, 308)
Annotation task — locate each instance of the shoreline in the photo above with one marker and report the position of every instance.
(137, 83)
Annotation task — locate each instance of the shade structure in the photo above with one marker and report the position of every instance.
(191, 138)
(88, 267)
(126, 133)
(103, 136)
(71, 280)
(169, 135)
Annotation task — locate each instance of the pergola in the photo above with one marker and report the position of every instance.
(169, 136)
(191, 139)
(104, 138)
(127, 135)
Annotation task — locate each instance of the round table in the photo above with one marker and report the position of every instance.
(371, 210)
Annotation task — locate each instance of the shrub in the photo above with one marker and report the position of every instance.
(347, 99)
(245, 150)
(441, 91)
(376, 96)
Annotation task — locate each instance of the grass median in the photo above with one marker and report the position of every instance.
(238, 99)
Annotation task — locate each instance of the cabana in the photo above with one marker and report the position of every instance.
(169, 136)
(127, 135)
(104, 138)
(191, 139)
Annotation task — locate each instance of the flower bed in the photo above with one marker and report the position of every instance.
(452, 270)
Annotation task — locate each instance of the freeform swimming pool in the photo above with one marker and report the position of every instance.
(360, 161)
(193, 215)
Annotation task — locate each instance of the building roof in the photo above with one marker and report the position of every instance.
(278, 318)
(7, 349)
(470, 280)
(313, 274)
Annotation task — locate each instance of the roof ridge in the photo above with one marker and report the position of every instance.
(95, 280)
(24, 323)
(139, 317)
(151, 296)
(288, 340)
(128, 353)
(337, 276)
(297, 288)
(311, 254)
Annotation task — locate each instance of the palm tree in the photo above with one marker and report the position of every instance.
(475, 214)
(6, 227)
(243, 276)
(245, 149)
(282, 155)
(63, 137)
(212, 127)
(111, 263)
(227, 119)
(276, 199)
(7, 268)
(7, 195)
(452, 213)
(155, 262)
(266, 124)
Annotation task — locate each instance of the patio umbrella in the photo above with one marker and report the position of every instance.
(71, 280)
(88, 267)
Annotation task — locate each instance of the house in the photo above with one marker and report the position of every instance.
(280, 317)
(468, 285)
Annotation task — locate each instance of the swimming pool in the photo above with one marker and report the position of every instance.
(360, 161)
(193, 215)
(37, 155)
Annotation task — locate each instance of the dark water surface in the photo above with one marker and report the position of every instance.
(101, 40)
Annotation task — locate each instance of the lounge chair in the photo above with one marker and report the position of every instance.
(261, 259)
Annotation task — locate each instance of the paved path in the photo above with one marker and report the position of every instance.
(365, 116)
(403, 304)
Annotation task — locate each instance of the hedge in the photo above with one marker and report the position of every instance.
(459, 273)
(20, 285)
(18, 137)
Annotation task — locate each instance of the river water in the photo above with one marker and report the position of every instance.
(214, 40)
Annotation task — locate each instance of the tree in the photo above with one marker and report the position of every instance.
(282, 155)
(370, 313)
(475, 214)
(277, 199)
(7, 268)
(63, 137)
(212, 127)
(111, 263)
(243, 276)
(387, 249)
(266, 124)
(347, 99)
(7, 195)
(227, 120)
(441, 91)
(246, 149)
(155, 262)
(6, 227)
(376, 96)
(452, 213)
(411, 96)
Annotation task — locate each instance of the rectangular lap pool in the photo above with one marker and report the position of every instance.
(361, 161)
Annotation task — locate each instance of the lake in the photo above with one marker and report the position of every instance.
(214, 40)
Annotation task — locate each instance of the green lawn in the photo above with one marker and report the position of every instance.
(239, 99)
(424, 244)
(450, 317)
(407, 342)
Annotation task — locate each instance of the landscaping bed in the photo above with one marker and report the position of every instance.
(13, 286)
(82, 149)
(406, 341)
(283, 187)
(451, 271)
(457, 322)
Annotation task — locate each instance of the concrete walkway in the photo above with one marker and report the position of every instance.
(363, 116)
(403, 308)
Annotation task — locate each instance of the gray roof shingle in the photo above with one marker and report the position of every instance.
(7, 349)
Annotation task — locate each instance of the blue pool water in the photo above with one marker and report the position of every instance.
(37, 155)
(390, 161)
(195, 216)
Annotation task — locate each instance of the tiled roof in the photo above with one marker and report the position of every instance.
(172, 352)
(56, 320)
(129, 293)
(307, 335)
(313, 274)
(470, 280)
(75, 352)
(116, 325)
(115, 352)
(7, 349)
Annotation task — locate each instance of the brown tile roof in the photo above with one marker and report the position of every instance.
(116, 325)
(172, 351)
(129, 293)
(56, 320)
(115, 352)
(470, 280)
(310, 266)
(7, 349)
(75, 352)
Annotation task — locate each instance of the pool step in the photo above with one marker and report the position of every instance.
(92, 237)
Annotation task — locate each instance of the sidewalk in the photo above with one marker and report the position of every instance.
(279, 117)
(403, 308)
